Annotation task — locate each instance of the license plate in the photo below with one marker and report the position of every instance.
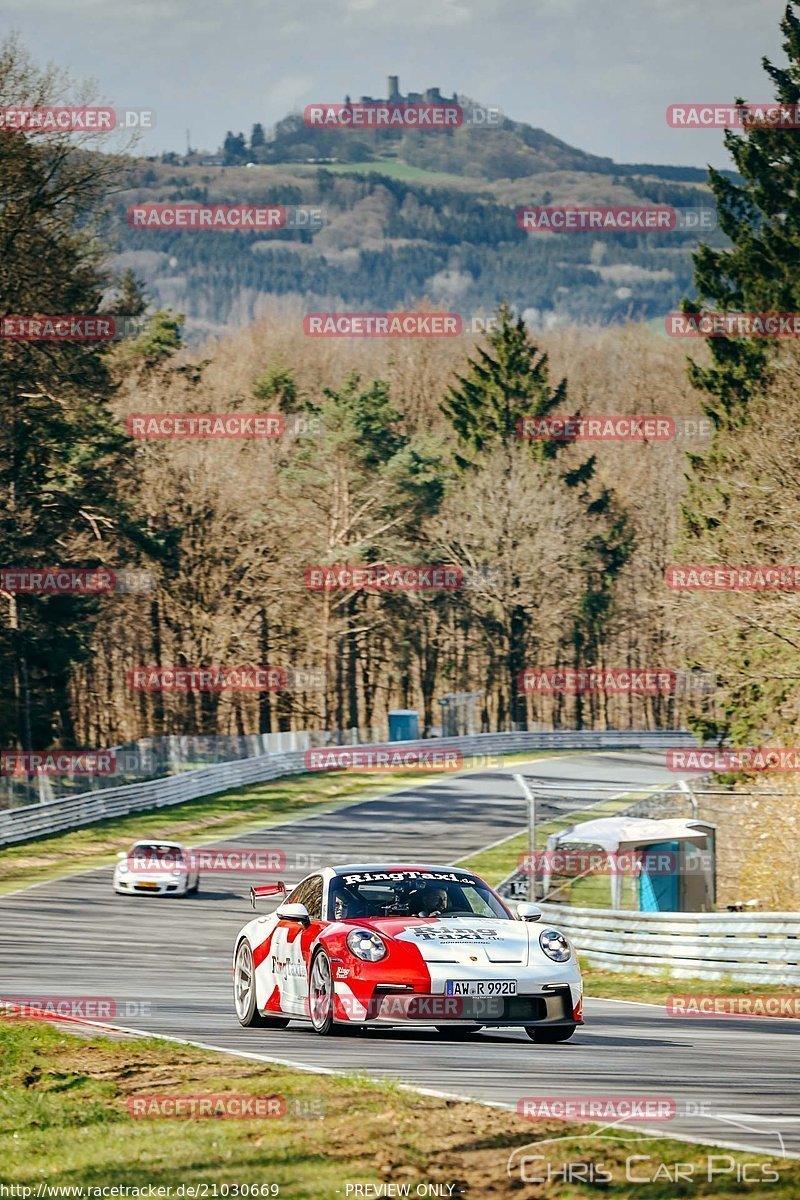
(153, 887)
(481, 987)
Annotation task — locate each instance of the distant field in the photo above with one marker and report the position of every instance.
(394, 170)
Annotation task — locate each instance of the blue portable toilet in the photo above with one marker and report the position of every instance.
(659, 889)
(403, 725)
(677, 871)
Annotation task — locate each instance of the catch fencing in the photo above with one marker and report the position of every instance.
(56, 816)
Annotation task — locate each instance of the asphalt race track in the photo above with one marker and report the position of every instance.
(166, 964)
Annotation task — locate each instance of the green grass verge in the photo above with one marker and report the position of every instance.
(66, 1120)
(210, 818)
(602, 984)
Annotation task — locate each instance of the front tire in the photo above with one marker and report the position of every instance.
(320, 996)
(547, 1035)
(244, 992)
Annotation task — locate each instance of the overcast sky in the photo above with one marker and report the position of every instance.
(597, 73)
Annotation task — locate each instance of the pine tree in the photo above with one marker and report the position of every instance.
(66, 470)
(157, 341)
(509, 380)
(234, 149)
(130, 299)
(760, 271)
(278, 384)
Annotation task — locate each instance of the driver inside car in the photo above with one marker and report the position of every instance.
(346, 905)
(433, 902)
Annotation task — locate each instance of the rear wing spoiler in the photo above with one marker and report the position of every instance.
(266, 889)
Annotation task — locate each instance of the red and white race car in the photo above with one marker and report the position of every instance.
(376, 944)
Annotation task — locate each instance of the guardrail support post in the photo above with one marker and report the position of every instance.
(530, 796)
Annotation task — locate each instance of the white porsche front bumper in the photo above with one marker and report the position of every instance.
(155, 885)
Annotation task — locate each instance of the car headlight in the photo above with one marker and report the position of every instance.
(122, 868)
(367, 945)
(178, 871)
(555, 945)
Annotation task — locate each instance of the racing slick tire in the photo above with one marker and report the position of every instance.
(244, 992)
(549, 1034)
(320, 997)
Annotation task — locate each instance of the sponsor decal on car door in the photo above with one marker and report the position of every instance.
(286, 965)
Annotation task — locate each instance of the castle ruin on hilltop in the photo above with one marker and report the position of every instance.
(431, 95)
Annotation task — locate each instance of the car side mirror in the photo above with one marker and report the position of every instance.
(293, 912)
(122, 854)
(529, 912)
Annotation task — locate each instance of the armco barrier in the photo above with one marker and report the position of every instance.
(751, 947)
(55, 816)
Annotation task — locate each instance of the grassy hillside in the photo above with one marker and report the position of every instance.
(397, 234)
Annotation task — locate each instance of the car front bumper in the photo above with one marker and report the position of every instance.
(556, 1003)
(151, 887)
(553, 1006)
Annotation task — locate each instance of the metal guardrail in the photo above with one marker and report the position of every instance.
(155, 758)
(56, 816)
(751, 947)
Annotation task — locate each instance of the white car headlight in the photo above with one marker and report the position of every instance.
(367, 945)
(555, 945)
(122, 868)
(178, 871)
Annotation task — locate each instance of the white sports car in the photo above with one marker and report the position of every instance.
(381, 944)
(157, 868)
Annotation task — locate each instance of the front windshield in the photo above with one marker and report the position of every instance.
(156, 853)
(415, 894)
